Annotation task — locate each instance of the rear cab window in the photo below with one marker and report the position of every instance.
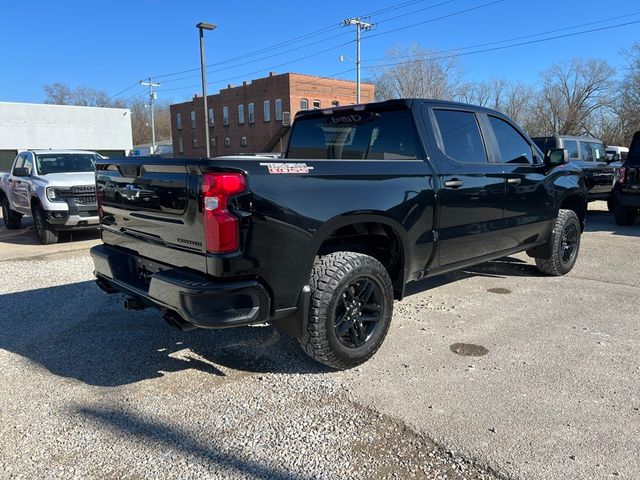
(460, 137)
(355, 135)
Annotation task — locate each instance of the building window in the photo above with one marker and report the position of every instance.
(240, 114)
(194, 143)
(251, 108)
(278, 107)
(243, 141)
(180, 145)
(304, 104)
(227, 142)
(316, 104)
(179, 121)
(267, 110)
(212, 120)
(193, 119)
(212, 141)
(335, 103)
(225, 115)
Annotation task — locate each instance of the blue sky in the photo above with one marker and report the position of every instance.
(111, 45)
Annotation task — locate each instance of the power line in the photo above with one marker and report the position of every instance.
(530, 42)
(442, 17)
(123, 91)
(521, 37)
(262, 58)
(286, 43)
(430, 7)
(245, 75)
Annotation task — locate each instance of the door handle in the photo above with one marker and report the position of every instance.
(514, 181)
(455, 183)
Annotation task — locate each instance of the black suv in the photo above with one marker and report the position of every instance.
(590, 156)
(626, 190)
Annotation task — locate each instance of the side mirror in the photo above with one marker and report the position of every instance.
(556, 156)
(21, 172)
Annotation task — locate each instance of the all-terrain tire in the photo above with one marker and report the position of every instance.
(334, 282)
(565, 245)
(47, 235)
(12, 220)
(624, 215)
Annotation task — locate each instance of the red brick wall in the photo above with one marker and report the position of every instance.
(291, 88)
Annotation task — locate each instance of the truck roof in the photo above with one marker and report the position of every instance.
(57, 152)
(402, 102)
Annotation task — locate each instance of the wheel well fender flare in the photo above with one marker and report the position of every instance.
(352, 218)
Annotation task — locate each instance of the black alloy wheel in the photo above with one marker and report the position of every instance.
(570, 236)
(358, 313)
(350, 309)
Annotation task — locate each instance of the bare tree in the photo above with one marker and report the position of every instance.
(62, 94)
(141, 121)
(628, 106)
(426, 74)
(512, 99)
(571, 96)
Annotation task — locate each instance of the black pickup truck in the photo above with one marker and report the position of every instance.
(626, 189)
(366, 199)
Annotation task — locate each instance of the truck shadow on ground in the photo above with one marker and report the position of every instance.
(602, 221)
(171, 438)
(77, 331)
(26, 235)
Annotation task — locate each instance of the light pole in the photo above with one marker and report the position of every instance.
(202, 26)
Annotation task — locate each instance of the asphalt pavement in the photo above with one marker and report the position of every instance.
(494, 372)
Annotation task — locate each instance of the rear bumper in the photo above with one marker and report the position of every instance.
(198, 299)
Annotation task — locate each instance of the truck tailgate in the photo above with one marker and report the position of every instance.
(150, 205)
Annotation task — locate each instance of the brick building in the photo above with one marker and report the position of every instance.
(254, 117)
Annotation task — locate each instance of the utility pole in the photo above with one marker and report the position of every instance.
(152, 101)
(360, 25)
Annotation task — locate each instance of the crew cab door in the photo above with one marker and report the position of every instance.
(529, 205)
(471, 189)
(19, 186)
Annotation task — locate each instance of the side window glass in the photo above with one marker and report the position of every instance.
(571, 146)
(513, 147)
(460, 133)
(19, 162)
(587, 152)
(598, 152)
(28, 164)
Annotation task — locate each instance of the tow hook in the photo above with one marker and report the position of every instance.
(133, 303)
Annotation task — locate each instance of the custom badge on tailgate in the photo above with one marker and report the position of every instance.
(282, 167)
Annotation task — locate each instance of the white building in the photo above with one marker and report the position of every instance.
(34, 125)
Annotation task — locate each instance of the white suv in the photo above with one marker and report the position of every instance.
(55, 187)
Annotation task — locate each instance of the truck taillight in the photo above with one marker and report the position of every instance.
(622, 175)
(221, 228)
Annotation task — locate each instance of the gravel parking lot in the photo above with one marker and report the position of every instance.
(89, 390)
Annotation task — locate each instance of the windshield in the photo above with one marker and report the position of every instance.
(65, 163)
(382, 135)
